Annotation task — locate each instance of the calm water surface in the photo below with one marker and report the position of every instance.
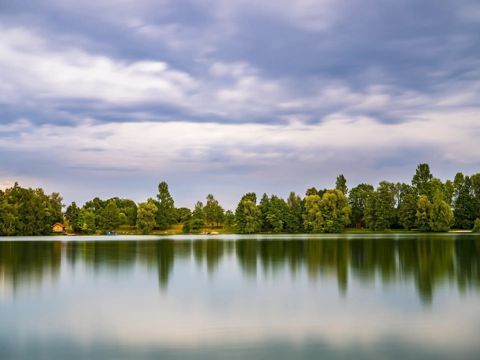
(288, 297)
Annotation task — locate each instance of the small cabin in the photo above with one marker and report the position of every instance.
(58, 228)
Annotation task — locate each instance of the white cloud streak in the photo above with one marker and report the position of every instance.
(187, 146)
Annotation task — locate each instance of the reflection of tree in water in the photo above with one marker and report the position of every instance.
(427, 260)
(165, 257)
(23, 263)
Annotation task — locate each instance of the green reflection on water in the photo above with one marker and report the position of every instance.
(428, 261)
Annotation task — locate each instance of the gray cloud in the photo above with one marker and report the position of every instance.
(232, 96)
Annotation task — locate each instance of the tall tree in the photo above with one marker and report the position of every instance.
(475, 180)
(213, 211)
(423, 213)
(197, 222)
(277, 214)
(441, 215)
(407, 210)
(146, 216)
(341, 184)
(358, 200)
(312, 216)
(294, 217)
(464, 211)
(335, 210)
(111, 216)
(247, 215)
(229, 219)
(422, 181)
(264, 208)
(380, 208)
(73, 216)
(165, 206)
(87, 219)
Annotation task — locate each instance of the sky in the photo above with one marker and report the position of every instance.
(110, 97)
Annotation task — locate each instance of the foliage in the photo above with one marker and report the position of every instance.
(476, 226)
(72, 214)
(312, 216)
(358, 197)
(441, 214)
(422, 181)
(407, 208)
(423, 213)
(146, 217)
(293, 220)
(197, 221)
(28, 211)
(380, 209)
(464, 203)
(427, 205)
(214, 213)
(335, 210)
(182, 214)
(110, 216)
(165, 206)
(341, 184)
(87, 220)
(248, 215)
(229, 218)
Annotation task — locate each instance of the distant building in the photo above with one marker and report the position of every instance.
(58, 228)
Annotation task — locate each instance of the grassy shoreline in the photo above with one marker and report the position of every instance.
(177, 230)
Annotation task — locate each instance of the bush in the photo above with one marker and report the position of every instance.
(476, 226)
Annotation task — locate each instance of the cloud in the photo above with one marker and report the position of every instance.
(187, 147)
(238, 92)
(32, 69)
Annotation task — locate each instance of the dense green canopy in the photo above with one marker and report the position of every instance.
(427, 204)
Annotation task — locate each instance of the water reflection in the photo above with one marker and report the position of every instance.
(426, 261)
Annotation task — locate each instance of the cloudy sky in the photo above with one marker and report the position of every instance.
(108, 97)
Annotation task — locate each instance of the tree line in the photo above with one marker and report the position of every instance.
(426, 204)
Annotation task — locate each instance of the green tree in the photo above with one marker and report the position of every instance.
(229, 218)
(464, 212)
(197, 221)
(423, 213)
(28, 211)
(476, 226)
(294, 221)
(247, 215)
(341, 184)
(73, 216)
(312, 216)
(358, 200)
(146, 216)
(475, 181)
(422, 181)
(87, 219)
(166, 207)
(110, 216)
(214, 213)
(407, 209)
(335, 210)
(264, 208)
(441, 215)
(182, 214)
(8, 217)
(380, 209)
(277, 214)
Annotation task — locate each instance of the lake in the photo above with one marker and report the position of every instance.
(241, 297)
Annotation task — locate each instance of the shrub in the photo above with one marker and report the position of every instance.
(476, 226)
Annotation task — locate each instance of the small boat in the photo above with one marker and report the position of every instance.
(111, 233)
